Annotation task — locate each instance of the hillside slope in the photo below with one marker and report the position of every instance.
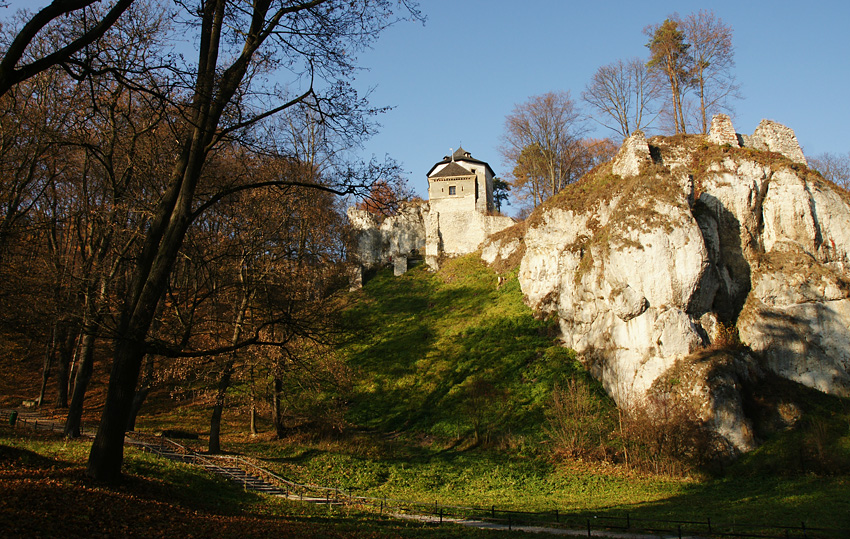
(453, 354)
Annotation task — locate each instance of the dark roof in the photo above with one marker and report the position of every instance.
(452, 170)
(460, 155)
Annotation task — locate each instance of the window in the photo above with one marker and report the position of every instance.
(452, 190)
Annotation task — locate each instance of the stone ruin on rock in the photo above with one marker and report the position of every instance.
(454, 221)
(723, 132)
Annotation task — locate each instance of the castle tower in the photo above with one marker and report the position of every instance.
(460, 197)
(460, 183)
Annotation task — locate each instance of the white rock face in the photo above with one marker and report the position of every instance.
(633, 156)
(798, 318)
(644, 277)
(623, 302)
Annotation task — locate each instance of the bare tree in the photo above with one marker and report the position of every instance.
(238, 44)
(623, 94)
(542, 143)
(712, 55)
(833, 167)
(16, 67)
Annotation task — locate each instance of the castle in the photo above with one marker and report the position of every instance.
(458, 216)
(454, 221)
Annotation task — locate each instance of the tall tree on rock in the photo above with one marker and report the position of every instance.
(711, 51)
(623, 94)
(542, 142)
(669, 59)
(240, 44)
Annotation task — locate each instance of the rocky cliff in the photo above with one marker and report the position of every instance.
(657, 263)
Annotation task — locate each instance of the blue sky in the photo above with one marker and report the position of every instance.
(455, 79)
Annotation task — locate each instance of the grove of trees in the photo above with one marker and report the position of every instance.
(179, 216)
(686, 79)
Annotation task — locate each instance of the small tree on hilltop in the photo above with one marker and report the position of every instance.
(833, 167)
(670, 60)
(712, 55)
(623, 93)
(542, 142)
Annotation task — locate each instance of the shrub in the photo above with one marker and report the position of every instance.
(663, 435)
(579, 421)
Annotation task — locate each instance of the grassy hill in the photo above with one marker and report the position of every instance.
(453, 355)
(448, 399)
(451, 383)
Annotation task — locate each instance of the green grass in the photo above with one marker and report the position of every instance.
(497, 478)
(452, 355)
(443, 353)
(450, 380)
(46, 494)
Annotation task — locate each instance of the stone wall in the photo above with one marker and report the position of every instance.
(775, 137)
(459, 233)
(722, 131)
(378, 243)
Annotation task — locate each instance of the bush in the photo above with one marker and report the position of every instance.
(663, 435)
(580, 423)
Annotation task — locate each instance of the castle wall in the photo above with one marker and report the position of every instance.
(459, 233)
(464, 198)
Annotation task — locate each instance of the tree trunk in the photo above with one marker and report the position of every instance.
(67, 346)
(253, 405)
(141, 394)
(138, 401)
(702, 104)
(218, 408)
(254, 431)
(48, 363)
(81, 384)
(277, 412)
(107, 452)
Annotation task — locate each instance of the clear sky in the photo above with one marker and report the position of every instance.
(454, 79)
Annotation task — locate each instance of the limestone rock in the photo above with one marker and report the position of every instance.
(798, 317)
(710, 383)
(633, 156)
(622, 292)
(657, 268)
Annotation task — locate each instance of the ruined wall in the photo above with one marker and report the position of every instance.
(775, 137)
(377, 243)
